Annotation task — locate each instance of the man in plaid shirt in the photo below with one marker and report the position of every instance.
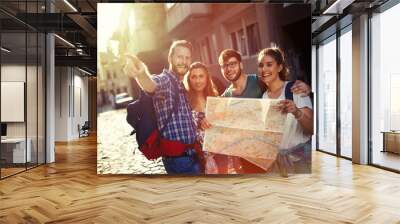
(181, 126)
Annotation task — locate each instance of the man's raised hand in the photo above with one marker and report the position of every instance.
(134, 67)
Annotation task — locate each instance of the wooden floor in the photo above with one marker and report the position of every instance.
(70, 191)
(10, 171)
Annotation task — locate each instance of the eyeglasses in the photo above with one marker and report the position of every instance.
(230, 65)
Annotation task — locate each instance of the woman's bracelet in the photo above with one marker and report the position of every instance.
(300, 116)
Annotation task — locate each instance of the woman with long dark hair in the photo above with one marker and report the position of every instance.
(295, 146)
(199, 86)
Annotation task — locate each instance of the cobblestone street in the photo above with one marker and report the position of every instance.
(117, 151)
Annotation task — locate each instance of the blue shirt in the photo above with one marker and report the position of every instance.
(181, 126)
(252, 89)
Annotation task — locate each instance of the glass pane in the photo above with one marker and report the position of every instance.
(385, 84)
(31, 97)
(253, 38)
(209, 50)
(13, 85)
(327, 97)
(346, 94)
(242, 42)
(234, 41)
(41, 98)
(313, 87)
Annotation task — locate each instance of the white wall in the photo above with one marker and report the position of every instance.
(71, 94)
(61, 103)
(12, 101)
(80, 103)
(14, 73)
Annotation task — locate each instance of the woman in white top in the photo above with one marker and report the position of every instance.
(273, 72)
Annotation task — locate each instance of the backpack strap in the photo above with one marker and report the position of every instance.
(288, 92)
(175, 88)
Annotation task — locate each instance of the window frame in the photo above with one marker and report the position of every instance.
(334, 37)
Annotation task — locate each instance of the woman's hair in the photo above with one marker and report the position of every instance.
(277, 54)
(209, 90)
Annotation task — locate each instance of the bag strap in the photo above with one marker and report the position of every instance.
(288, 92)
(175, 88)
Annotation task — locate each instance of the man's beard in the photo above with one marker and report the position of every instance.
(175, 69)
(237, 76)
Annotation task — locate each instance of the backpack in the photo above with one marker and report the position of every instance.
(301, 152)
(288, 92)
(142, 117)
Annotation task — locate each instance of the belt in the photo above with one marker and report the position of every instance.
(188, 153)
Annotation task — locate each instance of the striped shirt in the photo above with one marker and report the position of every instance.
(181, 125)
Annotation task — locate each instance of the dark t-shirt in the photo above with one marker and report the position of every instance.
(241, 165)
(252, 89)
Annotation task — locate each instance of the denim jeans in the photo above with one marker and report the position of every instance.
(187, 164)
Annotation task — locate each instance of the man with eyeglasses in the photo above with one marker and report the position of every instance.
(242, 85)
(247, 85)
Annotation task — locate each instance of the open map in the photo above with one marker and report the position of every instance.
(249, 128)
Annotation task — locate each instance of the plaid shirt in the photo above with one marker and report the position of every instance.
(181, 126)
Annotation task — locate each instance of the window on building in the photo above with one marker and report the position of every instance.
(214, 45)
(394, 101)
(247, 41)
(385, 88)
(206, 51)
(346, 94)
(253, 39)
(327, 96)
(242, 42)
(234, 41)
